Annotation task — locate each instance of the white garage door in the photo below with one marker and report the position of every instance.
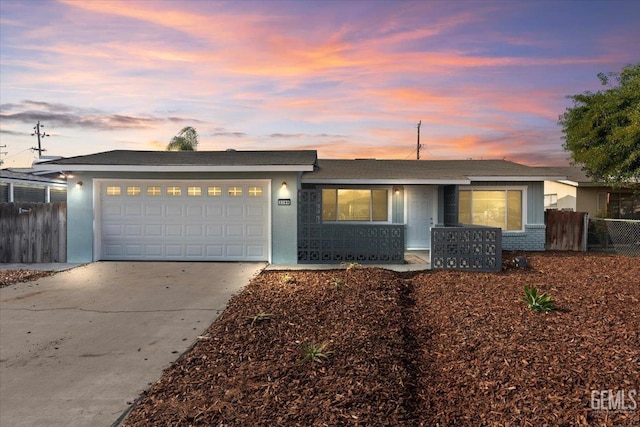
(184, 220)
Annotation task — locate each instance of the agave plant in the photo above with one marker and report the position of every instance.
(313, 352)
(540, 302)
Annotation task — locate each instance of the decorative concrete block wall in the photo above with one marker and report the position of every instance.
(472, 248)
(332, 243)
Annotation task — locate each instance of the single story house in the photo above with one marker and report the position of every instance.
(287, 207)
(22, 185)
(579, 193)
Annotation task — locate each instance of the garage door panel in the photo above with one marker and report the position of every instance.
(255, 251)
(173, 230)
(153, 210)
(214, 212)
(133, 230)
(153, 230)
(213, 224)
(254, 211)
(193, 230)
(194, 211)
(133, 210)
(153, 250)
(112, 211)
(215, 251)
(133, 250)
(256, 231)
(234, 211)
(215, 230)
(112, 230)
(173, 210)
(194, 250)
(234, 250)
(234, 231)
(174, 250)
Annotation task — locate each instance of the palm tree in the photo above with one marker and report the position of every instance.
(185, 140)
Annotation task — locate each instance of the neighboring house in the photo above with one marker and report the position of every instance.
(22, 185)
(258, 205)
(577, 192)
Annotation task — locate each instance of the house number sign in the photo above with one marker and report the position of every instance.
(284, 202)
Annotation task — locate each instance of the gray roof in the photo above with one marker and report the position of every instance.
(191, 158)
(28, 178)
(423, 171)
(572, 173)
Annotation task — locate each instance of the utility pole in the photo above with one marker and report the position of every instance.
(39, 135)
(1, 153)
(419, 145)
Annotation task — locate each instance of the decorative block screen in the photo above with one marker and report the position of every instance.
(330, 243)
(472, 248)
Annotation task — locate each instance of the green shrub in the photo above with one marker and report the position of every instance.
(540, 302)
(313, 352)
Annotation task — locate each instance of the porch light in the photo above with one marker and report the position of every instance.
(79, 183)
(284, 183)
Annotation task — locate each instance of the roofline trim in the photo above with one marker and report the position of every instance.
(35, 182)
(378, 181)
(174, 168)
(515, 178)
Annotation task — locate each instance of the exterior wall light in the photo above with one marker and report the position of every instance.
(284, 183)
(79, 183)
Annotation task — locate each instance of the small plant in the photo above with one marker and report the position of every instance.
(260, 317)
(313, 352)
(287, 278)
(352, 265)
(338, 283)
(540, 302)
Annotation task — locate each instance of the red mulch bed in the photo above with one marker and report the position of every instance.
(433, 348)
(11, 277)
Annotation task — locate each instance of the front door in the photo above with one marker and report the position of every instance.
(421, 214)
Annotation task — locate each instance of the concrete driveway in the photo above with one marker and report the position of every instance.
(77, 349)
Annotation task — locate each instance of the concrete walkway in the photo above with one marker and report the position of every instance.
(77, 348)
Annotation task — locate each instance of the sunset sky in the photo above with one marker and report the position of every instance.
(487, 79)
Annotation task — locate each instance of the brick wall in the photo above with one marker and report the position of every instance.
(532, 239)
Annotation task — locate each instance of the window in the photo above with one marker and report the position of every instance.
(255, 191)
(214, 191)
(133, 191)
(621, 205)
(154, 191)
(354, 205)
(234, 191)
(113, 190)
(494, 208)
(194, 191)
(174, 191)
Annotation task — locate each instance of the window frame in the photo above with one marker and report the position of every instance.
(388, 189)
(505, 189)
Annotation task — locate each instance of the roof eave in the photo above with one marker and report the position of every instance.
(178, 168)
(518, 178)
(379, 181)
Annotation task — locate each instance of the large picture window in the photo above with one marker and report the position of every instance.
(494, 208)
(354, 204)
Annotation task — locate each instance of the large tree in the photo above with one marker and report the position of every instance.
(602, 129)
(185, 140)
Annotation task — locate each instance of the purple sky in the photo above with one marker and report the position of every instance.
(487, 79)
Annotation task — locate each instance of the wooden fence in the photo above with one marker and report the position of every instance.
(566, 230)
(33, 232)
